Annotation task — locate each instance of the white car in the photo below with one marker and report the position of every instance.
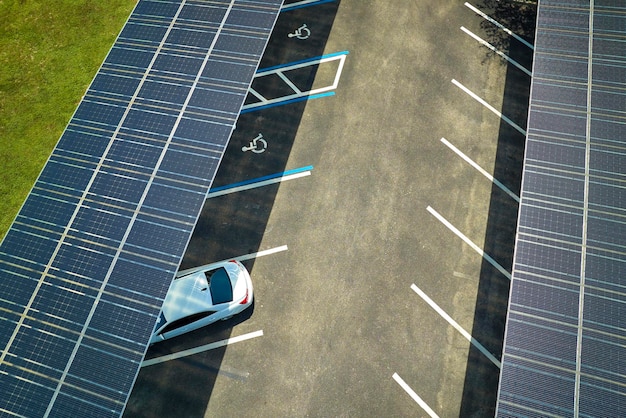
(203, 297)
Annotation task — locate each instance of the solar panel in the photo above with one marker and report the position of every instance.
(565, 337)
(89, 258)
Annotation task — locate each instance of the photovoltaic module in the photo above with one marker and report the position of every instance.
(89, 258)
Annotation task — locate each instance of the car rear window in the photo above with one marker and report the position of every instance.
(221, 288)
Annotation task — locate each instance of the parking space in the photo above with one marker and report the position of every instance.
(374, 214)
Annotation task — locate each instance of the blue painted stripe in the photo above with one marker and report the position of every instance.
(260, 179)
(289, 64)
(299, 99)
(287, 8)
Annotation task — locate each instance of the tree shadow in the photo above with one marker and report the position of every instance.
(234, 224)
(482, 376)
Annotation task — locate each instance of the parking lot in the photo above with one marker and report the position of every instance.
(370, 188)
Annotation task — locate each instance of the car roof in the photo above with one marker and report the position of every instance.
(198, 292)
(187, 295)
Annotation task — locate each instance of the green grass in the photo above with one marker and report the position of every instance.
(51, 50)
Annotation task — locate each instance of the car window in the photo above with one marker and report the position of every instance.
(185, 321)
(219, 283)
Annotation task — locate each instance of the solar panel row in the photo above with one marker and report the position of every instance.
(87, 262)
(565, 337)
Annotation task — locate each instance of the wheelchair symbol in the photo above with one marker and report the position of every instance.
(254, 145)
(301, 33)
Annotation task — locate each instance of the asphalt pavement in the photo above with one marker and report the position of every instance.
(384, 246)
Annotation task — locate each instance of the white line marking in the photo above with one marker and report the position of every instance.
(259, 184)
(469, 242)
(522, 40)
(289, 83)
(494, 49)
(488, 106)
(298, 3)
(257, 95)
(452, 322)
(413, 395)
(462, 275)
(321, 60)
(262, 253)
(480, 169)
(299, 94)
(240, 258)
(200, 349)
(339, 70)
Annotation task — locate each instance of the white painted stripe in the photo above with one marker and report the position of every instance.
(413, 395)
(262, 253)
(257, 95)
(497, 51)
(299, 94)
(522, 40)
(456, 326)
(461, 275)
(320, 60)
(240, 258)
(488, 106)
(289, 83)
(258, 184)
(299, 3)
(202, 348)
(342, 61)
(469, 242)
(480, 169)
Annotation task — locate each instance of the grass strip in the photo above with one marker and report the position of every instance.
(51, 50)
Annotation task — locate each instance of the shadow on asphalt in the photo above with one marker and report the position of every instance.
(481, 378)
(233, 224)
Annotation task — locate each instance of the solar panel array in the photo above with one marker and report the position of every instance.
(565, 342)
(87, 262)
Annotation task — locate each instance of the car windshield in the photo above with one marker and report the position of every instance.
(219, 283)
